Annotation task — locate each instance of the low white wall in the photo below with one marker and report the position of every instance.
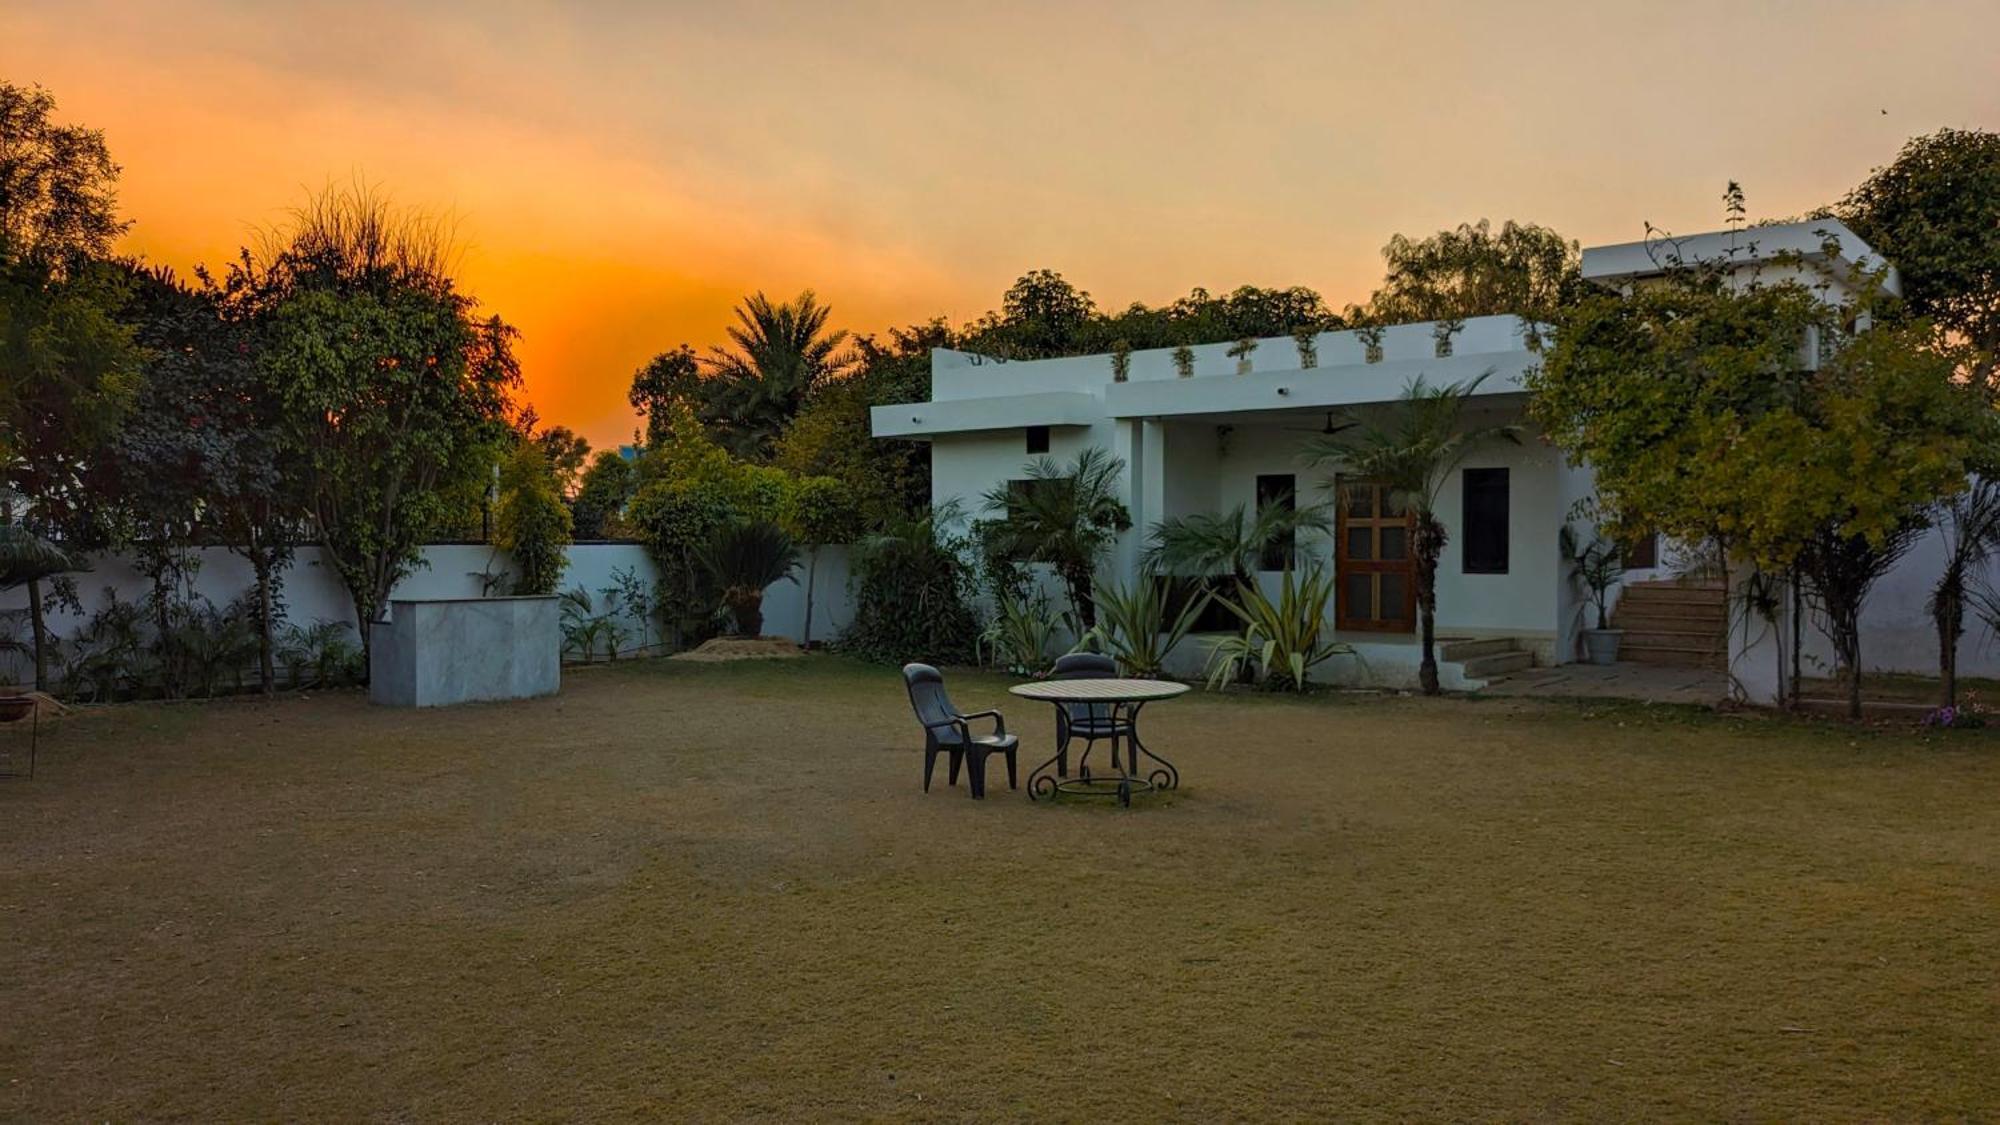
(313, 592)
(1897, 634)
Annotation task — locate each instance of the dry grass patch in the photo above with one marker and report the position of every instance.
(716, 890)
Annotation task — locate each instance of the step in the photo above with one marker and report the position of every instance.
(1670, 617)
(1705, 640)
(1665, 596)
(1671, 654)
(1497, 664)
(1471, 649)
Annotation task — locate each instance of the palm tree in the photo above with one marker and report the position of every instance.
(1232, 543)
(26, 559)
(1412, 446)
(1971, 528)
(781, 353)
(1064, 515)
(744, 558)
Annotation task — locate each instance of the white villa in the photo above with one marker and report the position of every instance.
(1230, 433)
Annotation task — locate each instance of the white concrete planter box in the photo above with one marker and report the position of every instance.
(435, 653)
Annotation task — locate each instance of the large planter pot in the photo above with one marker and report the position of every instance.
(1600, 646)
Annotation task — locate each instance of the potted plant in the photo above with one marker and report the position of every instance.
(1241, 351)
(1121, 360)
(1306, 339)
(1599, 566)
(1184, 361)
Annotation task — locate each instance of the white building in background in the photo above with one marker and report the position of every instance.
(1231, 433)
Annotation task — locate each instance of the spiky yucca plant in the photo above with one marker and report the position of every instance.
(1288, 636)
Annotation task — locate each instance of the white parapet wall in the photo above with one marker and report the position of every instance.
(437, 652)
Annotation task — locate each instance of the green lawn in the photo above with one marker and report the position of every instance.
(718, 891)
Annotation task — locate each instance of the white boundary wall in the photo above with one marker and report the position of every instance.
(313, 592)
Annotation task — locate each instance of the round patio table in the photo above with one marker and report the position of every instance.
(1123, 699)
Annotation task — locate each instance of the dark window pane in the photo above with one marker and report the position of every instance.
(1395, 589)
(1358, 591)
(1643, 552)
(1360, 501)
(1277, 490)
(1484, 522)
(1395, 543)
(1360, 544)
(1038, 439)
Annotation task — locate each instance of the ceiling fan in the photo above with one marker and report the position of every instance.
(1327, 430)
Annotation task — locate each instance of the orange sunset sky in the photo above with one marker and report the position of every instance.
(622, 172)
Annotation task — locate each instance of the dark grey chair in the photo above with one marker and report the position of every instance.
(1092, 722)
(946, 729)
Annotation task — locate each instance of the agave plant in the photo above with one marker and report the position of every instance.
(743, 559)
(1021, 634)
(1288, 637)
(1132, 622)
(582, 626)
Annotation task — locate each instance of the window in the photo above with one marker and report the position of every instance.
(1277, 490)
(1038, 439)
(1485, 524)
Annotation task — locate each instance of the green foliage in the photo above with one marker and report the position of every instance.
(1690, 403)
(532, 525)
(391, 386)
(1287, 638)
(1121, 360)
(1598, 566)
(601, 496)
(1022, 635)
(1068, 516)
(912, 592)
(1935, 212)
(1524, 270)
(1232, 543)
(1184, 362)
(668, 381)
(823, 511)
(1133, 626)
(584, 628)
(742, 559)
(1242, 352)
(1306, 339)
(677, 519)
(322, 654)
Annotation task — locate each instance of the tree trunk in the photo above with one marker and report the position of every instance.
(1427, 545)
(267, 669)
(40, 626)
(812, 572)
(1950, 622)
(1798, 638)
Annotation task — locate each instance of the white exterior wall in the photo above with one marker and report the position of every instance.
(313, 592)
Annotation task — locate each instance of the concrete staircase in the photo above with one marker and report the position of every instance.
(1680, 623)
(1487, 658)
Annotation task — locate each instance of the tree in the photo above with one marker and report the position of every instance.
(742, 560)
(532, 525)
(1233, 543)
(601, 497)
(1935, 212)
(1970, 525)
(567, 453)
(830, 436)
(58, 197)
(1041, 315)
(1412, 446)
(1067, 516)
(1525, 270)
(1691, 403)
(394, 390)
(670, 378)
(781, 353)
(823, 512)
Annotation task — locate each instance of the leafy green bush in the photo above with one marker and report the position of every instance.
(912, 593)
(533, 524)
(1021, 634)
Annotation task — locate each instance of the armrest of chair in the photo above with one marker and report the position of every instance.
(999, 720)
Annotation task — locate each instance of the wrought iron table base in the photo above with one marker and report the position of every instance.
(1127, 781)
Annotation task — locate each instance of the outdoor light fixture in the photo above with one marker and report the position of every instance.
(1284, 390)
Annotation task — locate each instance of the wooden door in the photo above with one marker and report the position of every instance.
(1377, 577)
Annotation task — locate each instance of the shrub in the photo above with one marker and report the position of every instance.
(912, 588)
(1132, 623)
(1287, 636)
(532, 525)
(742, 560)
